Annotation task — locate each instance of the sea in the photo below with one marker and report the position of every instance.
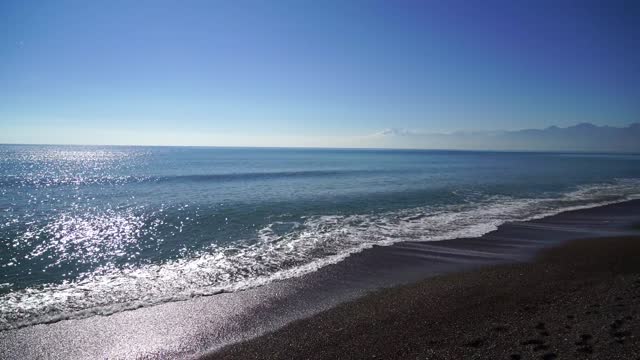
(95, 230)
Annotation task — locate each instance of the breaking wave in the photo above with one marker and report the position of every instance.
(305, 246)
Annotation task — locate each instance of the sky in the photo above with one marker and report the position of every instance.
(310, 73)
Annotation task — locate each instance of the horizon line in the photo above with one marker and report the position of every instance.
(331, 148)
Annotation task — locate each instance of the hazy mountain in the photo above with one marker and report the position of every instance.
(581, 137)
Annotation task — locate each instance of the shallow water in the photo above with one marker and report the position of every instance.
(86, 230)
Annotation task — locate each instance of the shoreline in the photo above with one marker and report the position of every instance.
(579, 299)
(474, 250)
(203, 324)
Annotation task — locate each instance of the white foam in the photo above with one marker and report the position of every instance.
(304, 248)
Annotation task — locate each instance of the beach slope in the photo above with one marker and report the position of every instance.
(578, 300)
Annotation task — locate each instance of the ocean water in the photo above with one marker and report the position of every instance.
(97, 230)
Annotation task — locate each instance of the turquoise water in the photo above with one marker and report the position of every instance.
(96, 230)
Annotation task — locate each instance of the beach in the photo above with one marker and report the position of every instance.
(319, 180)
(456, 298)
(167, 252)
(578, 300)
(326, 180)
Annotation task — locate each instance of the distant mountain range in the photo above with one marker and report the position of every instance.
(581, 137)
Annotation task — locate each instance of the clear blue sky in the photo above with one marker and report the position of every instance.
(317, 73)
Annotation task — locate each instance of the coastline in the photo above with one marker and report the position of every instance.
(203, 324)
(580, 299)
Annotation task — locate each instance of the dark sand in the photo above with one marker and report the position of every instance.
(578, 300)
(442, 309)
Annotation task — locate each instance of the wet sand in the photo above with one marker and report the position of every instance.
(578, 300)
(187, 329)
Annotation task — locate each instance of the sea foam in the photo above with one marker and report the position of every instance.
(305, 247)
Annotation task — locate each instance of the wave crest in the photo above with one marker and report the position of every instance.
(284, 250)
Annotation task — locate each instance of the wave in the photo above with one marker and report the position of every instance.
(306, 246)
(68, 180)
(248, 176)
(75, 180)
